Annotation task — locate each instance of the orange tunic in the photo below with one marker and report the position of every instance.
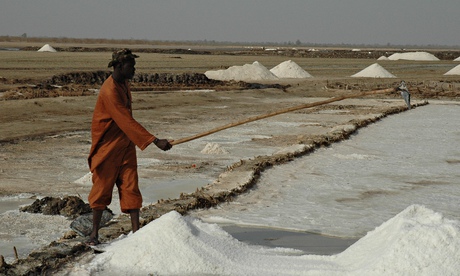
(112, 158)
(113, 126)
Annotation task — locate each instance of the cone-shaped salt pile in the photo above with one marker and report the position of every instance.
(213, 148)
(374, 71)
(454, 71)
(413, 56)
(289, 69)
(457, 59)
(383, 58)
(247, 72)
(47, 48)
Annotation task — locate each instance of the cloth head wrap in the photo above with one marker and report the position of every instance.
(120, 56)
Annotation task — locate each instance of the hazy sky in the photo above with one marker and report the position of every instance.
(407, 22)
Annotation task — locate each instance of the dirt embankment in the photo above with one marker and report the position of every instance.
(86, 83)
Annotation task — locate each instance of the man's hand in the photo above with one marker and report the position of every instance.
(162, 144)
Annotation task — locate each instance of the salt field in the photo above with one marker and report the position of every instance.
(391, 185)
(352, 187)
(395, 185)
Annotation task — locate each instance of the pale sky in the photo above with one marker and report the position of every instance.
(398, 22)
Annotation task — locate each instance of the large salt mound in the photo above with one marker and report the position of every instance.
(454, 71)
(247, 72)
(47, 48)
(417, 241)
(383, 58)
(457, 59)
(374, 71)
(413, 56)
(289, 69)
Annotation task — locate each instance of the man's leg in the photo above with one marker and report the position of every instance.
(134, 219)
(130, 195)
(94, 236)
(100, 196)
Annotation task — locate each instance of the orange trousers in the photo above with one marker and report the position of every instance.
(125, 176)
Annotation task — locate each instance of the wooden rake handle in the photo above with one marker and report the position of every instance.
(281, 111)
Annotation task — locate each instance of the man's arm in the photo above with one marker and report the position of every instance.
(122, 116)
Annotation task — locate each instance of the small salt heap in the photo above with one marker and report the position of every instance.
(454, 71)
(47, 48)
(247, 72)
(213, 148)
(374, 71)
(85, 180)
(289, 69)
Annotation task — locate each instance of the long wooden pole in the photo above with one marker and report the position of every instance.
(281, 111)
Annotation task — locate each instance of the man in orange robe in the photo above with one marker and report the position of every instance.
(115, 135)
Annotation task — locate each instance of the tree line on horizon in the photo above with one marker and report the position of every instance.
(132, 41)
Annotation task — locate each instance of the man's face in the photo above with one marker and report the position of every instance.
(127, 69)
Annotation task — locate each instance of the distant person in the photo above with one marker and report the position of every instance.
(115, 135)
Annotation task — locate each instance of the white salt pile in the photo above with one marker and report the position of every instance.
(85, 180)
(247, 72)
(454, 71)
(214, 148)
(413, 56)
(289, 69)
(374, 71)
(457, 59)
(383, 58)
(47, 48)
(417, 241)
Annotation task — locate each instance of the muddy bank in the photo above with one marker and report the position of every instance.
(87, 83)
(69, 206)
